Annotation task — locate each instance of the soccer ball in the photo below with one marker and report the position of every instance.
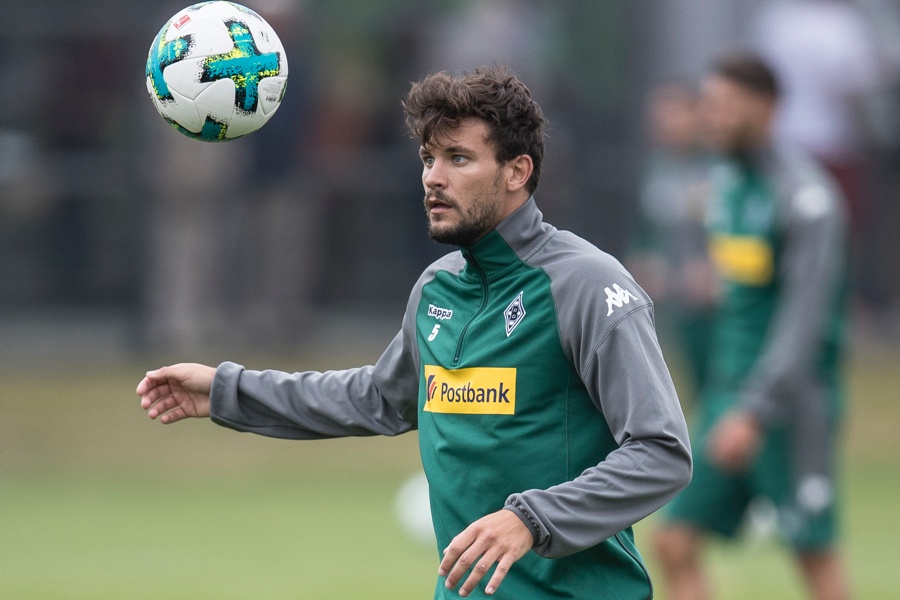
(413, 510)
(216, 71)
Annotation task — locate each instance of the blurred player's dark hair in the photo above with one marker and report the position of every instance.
(440, 102)
(749, 71)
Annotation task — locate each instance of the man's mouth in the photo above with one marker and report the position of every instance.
(436, 204)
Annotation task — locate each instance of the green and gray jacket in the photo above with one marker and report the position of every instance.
(530, 366)
(777, 226)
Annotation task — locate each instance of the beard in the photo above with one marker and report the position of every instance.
(482, 215)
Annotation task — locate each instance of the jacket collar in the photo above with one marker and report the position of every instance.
(514, 240)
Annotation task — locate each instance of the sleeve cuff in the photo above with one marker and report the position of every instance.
(538, 532)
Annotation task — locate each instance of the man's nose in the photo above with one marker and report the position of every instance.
(434, 176)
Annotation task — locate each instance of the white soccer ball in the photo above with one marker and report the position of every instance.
(216, 71)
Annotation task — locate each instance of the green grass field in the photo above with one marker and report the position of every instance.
(98, 502)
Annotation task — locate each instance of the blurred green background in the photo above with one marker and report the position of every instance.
(97, 502)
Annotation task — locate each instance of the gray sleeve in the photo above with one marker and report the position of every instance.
(630, 383)
(810, 271)
(370, 400)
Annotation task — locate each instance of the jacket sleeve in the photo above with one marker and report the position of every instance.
(810, 273)
(370, 400)
(623, 369)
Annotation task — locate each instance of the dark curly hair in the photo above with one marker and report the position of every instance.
(440, 102)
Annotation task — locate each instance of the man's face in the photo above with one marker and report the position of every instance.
(672, 114)
(464, 189)
(735, 120)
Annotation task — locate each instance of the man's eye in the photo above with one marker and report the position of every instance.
(428, 160)
(459, 158)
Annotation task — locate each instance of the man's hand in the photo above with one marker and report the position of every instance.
(176, 392)
(500, 537)
(734, 442)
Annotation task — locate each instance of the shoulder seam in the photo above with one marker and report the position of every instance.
(613, 326)
(549, 236)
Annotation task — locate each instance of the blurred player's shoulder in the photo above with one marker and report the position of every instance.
(806, 189)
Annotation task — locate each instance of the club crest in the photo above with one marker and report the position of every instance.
(514, 313)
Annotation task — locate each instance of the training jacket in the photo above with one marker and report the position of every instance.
(530, 366)
(777, 228)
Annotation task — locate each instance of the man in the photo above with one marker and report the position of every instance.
(767, 418)
(548, 423)
(668, 255)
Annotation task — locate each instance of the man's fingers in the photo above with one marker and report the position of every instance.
(162, 405)
(176, 414)
(152, 379)
(154, 385)
(465, 561)
(457, 546)
(479, 570)
(144, 385)
(152, 395)
(499, 574)
(463, 551)
(500, 536)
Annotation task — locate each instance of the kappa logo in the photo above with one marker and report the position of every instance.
(471, 391)
(617, 297)
(514, 313)
(439, 313)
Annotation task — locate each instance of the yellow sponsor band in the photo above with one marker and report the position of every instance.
(473, 391)
(747, 260)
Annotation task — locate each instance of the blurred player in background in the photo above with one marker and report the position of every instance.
(833, 69)
(668, 255)
(548, 423)
(826, 57)
(768, 417)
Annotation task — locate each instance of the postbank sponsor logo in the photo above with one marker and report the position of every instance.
(472, 391)
(746, 260)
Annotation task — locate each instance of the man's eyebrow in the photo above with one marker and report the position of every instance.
(464, 149)
(453, 149)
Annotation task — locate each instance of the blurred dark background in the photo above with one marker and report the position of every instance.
(119, 236)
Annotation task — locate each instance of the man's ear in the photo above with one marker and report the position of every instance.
(520, 169)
